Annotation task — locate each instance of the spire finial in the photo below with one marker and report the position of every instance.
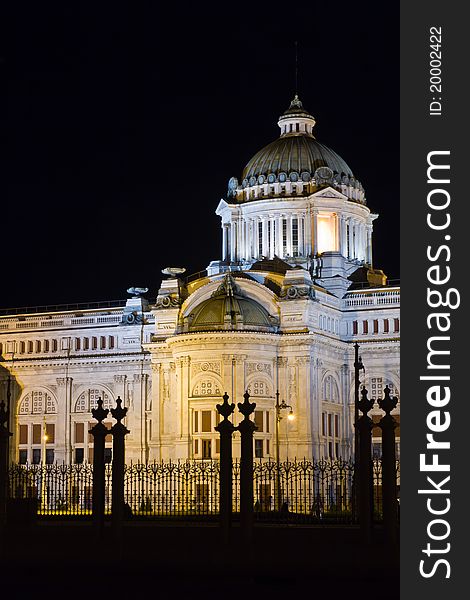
(296, 70)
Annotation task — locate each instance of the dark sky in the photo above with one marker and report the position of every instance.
(125, 122)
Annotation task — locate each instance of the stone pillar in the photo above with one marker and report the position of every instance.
(278, 236)
(343, 241)
(351, 239)
(98, 432)
(369, 245)
(233, 241)
(301, 235)
(119, 431)
(316, 409)
(389, 474)
(289, 235)
(265, 237)
(226, 429)
(246, 429)
(365, 502)
(314, 232)
(224, 242)
(304, 407)
(155, 439)
(271, 237)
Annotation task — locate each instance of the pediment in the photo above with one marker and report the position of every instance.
(330, 192)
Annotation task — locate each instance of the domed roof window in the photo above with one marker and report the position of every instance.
(229, 309)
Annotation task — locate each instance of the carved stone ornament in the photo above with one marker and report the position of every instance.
(296, 292)
(168, 302)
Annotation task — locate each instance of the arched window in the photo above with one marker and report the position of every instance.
(207, 387)
(37, 402)
(89, 400)
(330, 389)
(258, 388)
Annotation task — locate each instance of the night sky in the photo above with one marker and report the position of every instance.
(124, 123)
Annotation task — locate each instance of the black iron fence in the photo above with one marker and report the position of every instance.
(292, 491)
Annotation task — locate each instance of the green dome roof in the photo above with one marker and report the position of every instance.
(295, 152)
(228, 309)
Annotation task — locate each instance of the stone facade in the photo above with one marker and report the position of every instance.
(278, 316)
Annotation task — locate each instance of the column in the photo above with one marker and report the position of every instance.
(315, 234)
(271, 237)
(351, 239)
(345, 237)
(289, 235)
(278, 237)
(308, 232)
(304, 406)
(224, 242)
(233, 241)
(155, 439)
(369, 245)
(316, 409)
(265, 237)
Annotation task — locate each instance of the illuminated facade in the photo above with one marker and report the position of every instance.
(278, 313)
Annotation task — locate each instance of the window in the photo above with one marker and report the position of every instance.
(94, 343)
(376, 326)
(102, 342)
(49, 456)
(259, 420)
(86, 344)
(258, 448)
(37, 434)
(258, 388)
(396, 325)
(260, 238)
(46, 345)
(77, 344)
(108, 455)
(50, 433)
(206, 448)
(111, 342)
(284, 235)
(365, 327)
(206, 420)
(23, 437)
(196, 446)
(36, 456)
(386, 326)
(336, 425)
(54, 345)
(196, 421)
(355, 328)
(79, 456)
(79, 433)
(23, 457)
(207, 388)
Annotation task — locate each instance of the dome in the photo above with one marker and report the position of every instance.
(298, 159)
(294, 153)
(228, 309)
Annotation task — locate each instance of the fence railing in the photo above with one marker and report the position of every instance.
(299, 491)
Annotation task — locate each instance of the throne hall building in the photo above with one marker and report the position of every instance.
(277, 315)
